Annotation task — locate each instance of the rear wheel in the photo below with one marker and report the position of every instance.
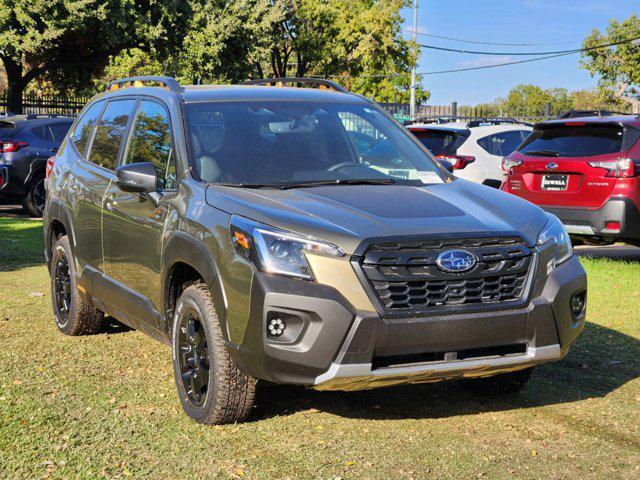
(72, 316)
(501, 384)
(211, 388)
(33, 203)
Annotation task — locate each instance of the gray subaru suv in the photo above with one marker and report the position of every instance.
(297, 236)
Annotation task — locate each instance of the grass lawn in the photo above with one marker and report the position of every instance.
(104, 406)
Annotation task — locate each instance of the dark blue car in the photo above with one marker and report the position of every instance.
(26, 142)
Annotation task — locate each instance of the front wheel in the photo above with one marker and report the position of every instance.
(33, 203)
(211, 388)
(501, 384)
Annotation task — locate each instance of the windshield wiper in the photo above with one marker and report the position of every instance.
(340, 181)
(542, 153)
(250, 185)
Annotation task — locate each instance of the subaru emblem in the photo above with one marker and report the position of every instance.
(456, 261)
(552, 166)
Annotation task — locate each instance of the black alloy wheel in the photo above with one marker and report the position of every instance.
(62, 289)
(194, 358)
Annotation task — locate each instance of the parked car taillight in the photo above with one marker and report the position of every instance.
(50, 162)
(509, 163)
(458, 161)
(621, 167)
(8, 146)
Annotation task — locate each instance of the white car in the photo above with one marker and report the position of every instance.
(475, 147)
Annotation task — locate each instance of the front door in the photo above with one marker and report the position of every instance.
(132, 224)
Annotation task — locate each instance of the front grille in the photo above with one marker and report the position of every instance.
(405, 276)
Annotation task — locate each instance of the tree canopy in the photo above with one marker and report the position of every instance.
(72, 40)
(618, 67)
(78, 45)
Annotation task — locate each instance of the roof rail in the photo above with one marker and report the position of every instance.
(169, 83)
(283, 81)
(590, 113)
(471, 121)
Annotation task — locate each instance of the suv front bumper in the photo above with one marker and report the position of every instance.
(592, 222)
(332, 346)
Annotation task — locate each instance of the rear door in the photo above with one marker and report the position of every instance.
(99, 146)
(556, 168)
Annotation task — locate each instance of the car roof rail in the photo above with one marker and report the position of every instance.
(590, 113)
(470, 120)
(283, 81)
(169, 83)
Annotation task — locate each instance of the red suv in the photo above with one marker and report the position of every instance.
(585, 171)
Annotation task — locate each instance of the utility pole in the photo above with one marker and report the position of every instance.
(412, 100)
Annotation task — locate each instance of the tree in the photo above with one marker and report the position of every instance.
(526, 97)
(618, 67)
(72, 40)
(595, 98)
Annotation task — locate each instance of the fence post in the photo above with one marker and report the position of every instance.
(547, 111)
(454, 109)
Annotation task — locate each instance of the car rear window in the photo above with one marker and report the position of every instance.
(574, 141)
(440, 142)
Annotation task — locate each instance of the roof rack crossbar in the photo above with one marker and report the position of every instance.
(169, 83)
(282, 81)
(591, 113)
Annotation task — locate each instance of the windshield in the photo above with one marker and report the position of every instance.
(287, 143)
(573, 141)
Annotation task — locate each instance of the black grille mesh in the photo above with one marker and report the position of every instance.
(405, 276)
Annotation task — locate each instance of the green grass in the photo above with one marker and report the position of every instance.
(104, 406)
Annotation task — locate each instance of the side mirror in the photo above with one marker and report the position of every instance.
(137, 177)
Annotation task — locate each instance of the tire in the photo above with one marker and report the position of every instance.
(211, 388)
(33, 203)
(72, 316)
(501, 384)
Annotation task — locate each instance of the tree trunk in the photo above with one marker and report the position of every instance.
(15, 84)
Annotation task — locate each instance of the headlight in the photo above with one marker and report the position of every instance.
(277, 251)
(555, 232)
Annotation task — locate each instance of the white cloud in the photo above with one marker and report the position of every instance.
(486, 61)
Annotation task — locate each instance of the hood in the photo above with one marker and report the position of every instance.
(347, 214)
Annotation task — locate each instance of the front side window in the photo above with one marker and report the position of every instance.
(297, 142)
(110, 132)
(502, 144)
(150, 141)
(84, 128)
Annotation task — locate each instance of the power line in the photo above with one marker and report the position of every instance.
(557, 52)
(504, 64)
(460, 40)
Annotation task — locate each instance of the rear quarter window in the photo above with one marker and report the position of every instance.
(84, 128)
(574, 141)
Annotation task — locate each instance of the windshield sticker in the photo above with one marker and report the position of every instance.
(429, 177)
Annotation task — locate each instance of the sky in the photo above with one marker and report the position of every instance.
(554, 24)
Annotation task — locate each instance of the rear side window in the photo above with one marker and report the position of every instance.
(150, 141)
(84, 128)
(110, 132)
(574, 141)
(504, 143)
(440, 142)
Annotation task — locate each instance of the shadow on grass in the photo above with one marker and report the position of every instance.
(111, 326)
(601, 361)
(21, 244)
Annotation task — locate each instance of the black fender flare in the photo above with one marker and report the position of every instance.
(58, 211)
(184, 248)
